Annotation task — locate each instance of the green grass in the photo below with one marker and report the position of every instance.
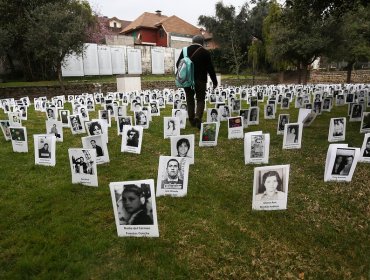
(51, 229)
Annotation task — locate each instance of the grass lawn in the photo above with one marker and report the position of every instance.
(52, 229)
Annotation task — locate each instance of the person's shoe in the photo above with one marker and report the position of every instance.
(192, 122)
(198, 123)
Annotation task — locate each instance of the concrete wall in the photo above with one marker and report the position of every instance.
(358, 76)
(119, 40)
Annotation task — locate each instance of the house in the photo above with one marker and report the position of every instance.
(115, 25)
(159, 30)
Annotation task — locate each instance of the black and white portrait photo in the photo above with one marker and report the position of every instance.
(183, 146)
(64, 117)
(83, 166)
(244, 114)
(365, 149)
(19, 139)
(256, 147)
(127, 120)
(213, 115)
(292, 136)
(98, 143)
(341, 162)
(132, 137)
(5, 127)
(172, 176)
(55, 128)
(356, 111)
(253, 118)
(365, 122)
(141, 118)
(77, 126)
(282, 121)
(105, 116)
(44, 149)
(269, 111)
(337, 129)
(270, 187)
(181, 115)
(171, 127)
(134, 208)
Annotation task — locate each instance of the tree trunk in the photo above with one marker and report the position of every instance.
(60, 79)
(299, 73)
(349, 71)
(304, 74)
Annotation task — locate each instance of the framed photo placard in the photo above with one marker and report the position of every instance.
(134, 208)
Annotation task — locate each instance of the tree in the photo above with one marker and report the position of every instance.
(352, 44)
(231, 31)
(42, 32)
(300, 34)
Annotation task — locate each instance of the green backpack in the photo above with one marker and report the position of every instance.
(185, 71)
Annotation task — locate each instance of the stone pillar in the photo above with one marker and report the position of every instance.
(127, 83)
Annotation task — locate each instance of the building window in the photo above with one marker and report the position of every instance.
(115, 24)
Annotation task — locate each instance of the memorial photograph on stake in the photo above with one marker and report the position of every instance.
(341, 162)
(83, 166)
(365, 122)
(44, 149)
(282, 120)
(132, 137)
(337, 129)
(173, 175)
(134, 208)
(97, 142)
(5, 127)
(183, 146)
(365, 149)
(208, 134)
(171, 127)
(270, 187)
(235, 128)
(19, 139)
(256, 147)
(292, 136)
(55, 128)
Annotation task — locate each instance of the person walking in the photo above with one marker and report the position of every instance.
(202, 61)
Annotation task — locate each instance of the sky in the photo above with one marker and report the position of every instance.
(188, 10)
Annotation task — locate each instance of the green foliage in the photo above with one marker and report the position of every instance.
(231, 32)
(353, 37)
(40, 33)
(52, 229)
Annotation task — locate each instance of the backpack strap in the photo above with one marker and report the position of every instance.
(185, 51)
(196, 51)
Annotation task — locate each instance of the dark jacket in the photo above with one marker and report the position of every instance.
(202, 63)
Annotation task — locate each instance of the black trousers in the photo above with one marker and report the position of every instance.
(199, 92)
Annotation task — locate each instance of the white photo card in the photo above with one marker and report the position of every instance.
(292, 136)
(341, 162)
(132, 137)
(183, 146)
(134, 208)
(83, 166)
(256, 147)
(365, 149)
(173, 175)
(270, 187)
(98, 143)
(44, 149)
